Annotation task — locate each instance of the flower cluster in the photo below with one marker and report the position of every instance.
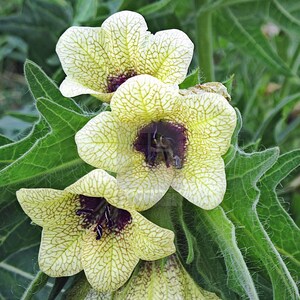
(155, 137)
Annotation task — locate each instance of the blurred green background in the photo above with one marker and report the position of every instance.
(253, 44)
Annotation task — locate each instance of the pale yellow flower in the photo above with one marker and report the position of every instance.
(158, 280)
(155, 138)
(163, 280)
(97, 60)
(86, 227)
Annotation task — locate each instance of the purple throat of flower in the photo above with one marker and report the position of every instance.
(98, 213)
(113, 82)
(162, 142)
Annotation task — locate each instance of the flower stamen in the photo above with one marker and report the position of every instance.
(162, 142)
(113, 82)
(97, 211)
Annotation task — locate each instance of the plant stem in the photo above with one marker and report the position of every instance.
(294, 65)
(39, 281)
(204, 44)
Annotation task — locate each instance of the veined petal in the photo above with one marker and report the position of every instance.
(202, 181)
(127, 33)
(210, 120)
(104, 142)
(167, 56)
(72, 88)
(144, 185)
(96, 183)
(60, 253)
(48, 206)
(99, 183)
(108, 262)
(166, 280)
(149, 241)
(83, 58)
(143, 99)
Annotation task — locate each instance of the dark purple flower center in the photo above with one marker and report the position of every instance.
(113, 82)
(162, 142)
(97, 211)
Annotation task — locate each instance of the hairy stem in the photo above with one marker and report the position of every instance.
(39, 281)
(204, 44)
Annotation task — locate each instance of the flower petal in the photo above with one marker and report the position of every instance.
(71, 88)
(105, 143)
(143, 99)
(163, 280)
(202, 181)
(149, 241)
(108, 262)
(144, 185)
(126, 32)
(210, 120)
(48, 206)
(96, 183)
(99, 183)
(167, 56)
(84, 59)
(59, 253)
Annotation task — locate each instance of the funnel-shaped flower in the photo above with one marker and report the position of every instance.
(166, 279)
(156, 138)
(87, 227)
(98, 60)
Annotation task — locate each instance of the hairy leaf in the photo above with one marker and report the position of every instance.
(281, 228)
(46, 158)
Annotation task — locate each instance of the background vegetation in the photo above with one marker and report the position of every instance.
(251, 45)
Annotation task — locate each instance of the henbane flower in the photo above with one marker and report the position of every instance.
(86, 227)
(164, 279)
(155, 138)
(98, 60)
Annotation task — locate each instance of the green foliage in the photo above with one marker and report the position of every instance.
(245, 249)
(240, 228)
(42, 158)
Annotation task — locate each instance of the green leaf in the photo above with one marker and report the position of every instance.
(248, 37)
(19, 278)
(39, 25)
(41, 85)
(228, 83)
(191, 80)
(86, 10)
(4, 140)
(240, 203)
(154, 7)
(30, 118)
(221, 230)
(286, 15)
(46, 158)
(11, 152)
(289, 100)
(284, 128)
(281, 228)
(15, 232)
